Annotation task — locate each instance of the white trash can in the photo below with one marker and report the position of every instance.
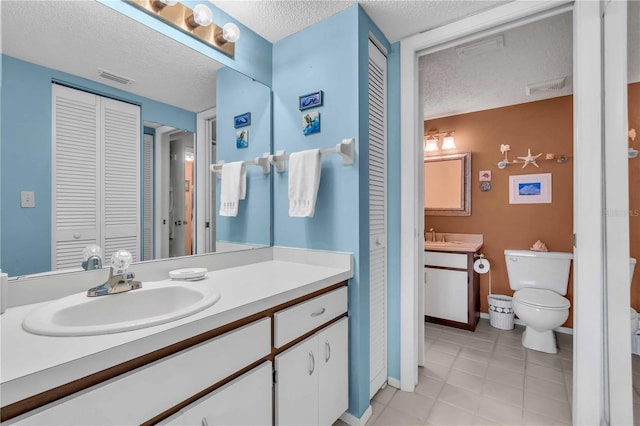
(501, 311)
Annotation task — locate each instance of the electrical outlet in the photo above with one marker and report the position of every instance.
(27, 199)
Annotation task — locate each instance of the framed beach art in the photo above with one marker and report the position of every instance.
(242, 120)
(311, 123)
(310, 101)
(530, 189)
(242, 139)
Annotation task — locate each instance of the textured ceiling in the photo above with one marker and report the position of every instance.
(532, 53)
(78, 37)
(276, 19)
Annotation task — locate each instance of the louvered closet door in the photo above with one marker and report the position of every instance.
(75, 186)
(378, 216)
(147, 188)
(121, 187)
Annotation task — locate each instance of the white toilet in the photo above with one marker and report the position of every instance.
(539, 280)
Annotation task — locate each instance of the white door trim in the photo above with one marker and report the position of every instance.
(586, 398)
(616, 178)
(202, 169)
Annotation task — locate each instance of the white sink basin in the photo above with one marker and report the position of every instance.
(153, 304)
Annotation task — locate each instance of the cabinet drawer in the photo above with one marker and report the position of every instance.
(141, 394)
(297, 320)
(229, 404)
(447, 260)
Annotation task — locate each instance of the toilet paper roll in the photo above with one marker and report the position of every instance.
(481, 266)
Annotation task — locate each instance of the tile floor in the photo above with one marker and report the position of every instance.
(484, 378)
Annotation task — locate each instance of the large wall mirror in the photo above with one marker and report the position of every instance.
(447, 189)
(186, 102)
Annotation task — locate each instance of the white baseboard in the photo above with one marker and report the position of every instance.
(352, 420)
(393, 382)
(565, 330)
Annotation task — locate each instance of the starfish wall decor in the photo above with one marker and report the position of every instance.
(530, 159)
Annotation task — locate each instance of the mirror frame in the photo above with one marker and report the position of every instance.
(465, 178)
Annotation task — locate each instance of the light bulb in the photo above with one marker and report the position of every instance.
(162, 3)
(431, 144)
(202, 16)
(448, 142)
(230, 32)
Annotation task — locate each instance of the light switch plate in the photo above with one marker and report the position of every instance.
(27, 199)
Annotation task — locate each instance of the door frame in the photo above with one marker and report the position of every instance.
(203, 182)
(588, 261)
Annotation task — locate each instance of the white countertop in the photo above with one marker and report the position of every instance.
(31, 363)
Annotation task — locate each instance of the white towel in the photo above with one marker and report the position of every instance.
(304, 179)
(233, 187)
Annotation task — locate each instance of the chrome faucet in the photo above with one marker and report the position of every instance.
(433, 234)
(120, 282)
(94, 262)
(115, 284)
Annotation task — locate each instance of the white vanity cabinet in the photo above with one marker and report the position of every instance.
(144, 393)
(312, 378)
(244, 401)
(451, 295)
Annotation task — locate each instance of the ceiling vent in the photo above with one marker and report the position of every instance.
(545, 86)
(115, 77)
(481, 46)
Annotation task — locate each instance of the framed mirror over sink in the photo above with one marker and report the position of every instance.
(447, 184)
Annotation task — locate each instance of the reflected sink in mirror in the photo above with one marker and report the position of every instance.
(153, 304)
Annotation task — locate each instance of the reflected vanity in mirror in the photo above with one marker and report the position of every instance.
(180, 94)
(447, 190)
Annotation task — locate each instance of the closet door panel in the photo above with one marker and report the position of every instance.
(121, 164)
(75, 182)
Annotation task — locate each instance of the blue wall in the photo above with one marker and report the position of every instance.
(331, 56)
(252, 52)
(239, 94)
(26, 156)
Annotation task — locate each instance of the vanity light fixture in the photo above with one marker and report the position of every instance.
(197, 23)
(432, 138)
(201, 16)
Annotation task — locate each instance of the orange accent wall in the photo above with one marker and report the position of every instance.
(545, 127)
(634, 193)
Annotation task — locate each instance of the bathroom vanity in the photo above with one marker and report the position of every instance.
(451, 286)
(273, 348)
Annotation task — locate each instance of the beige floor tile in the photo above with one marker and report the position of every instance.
(503, 393)
(544, 359)
(502, 413)
(428, 386)
(445, 414)
(446, 347)
(483, 345)
(508, 363)
(475, 355)
(545, 388)
(534, 419)
(433, 356)
(384, 395)
(340, 423)
(469, 366)
(500, 375)
(376, 409)
(491, 336)
(460, 398)
(565, 340)
(481, 421)
(510, 339)
(510, 351)
(412, 403)
(567, 365)
(454, 338)
(465, 381)
(435, 371)
(558, 410)
(392, 417)
(546, 373)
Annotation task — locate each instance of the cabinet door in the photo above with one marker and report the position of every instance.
(446, 294)
(244, 401)
(296, 388)
(333, 372)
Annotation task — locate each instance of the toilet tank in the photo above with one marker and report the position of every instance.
(547, 270)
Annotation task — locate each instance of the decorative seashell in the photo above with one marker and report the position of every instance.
(539, 246)
(550, 156)
(504, 148)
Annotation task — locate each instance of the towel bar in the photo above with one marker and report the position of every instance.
(346, 150)
(262, 161)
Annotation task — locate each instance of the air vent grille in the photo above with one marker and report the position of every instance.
(115, 77)
(544, 86)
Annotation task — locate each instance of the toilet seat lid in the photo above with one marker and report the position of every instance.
(541, 298)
